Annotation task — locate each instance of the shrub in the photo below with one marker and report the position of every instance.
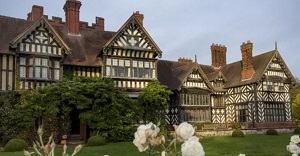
(297, 130)
(237, 126)
(271, 132)
(15, 145)
(238, 133)
(96, 140)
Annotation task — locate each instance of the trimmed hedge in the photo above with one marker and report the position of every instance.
(271, 132)
(96, 140)
(237, 133)
(297, 130)
(15, 145)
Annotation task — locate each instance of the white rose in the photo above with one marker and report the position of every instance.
(140, 140)
(294, 154)
(143, 132)
(242, 154)
(192, 147)
(293, 149)
(184, 131)
(295, 139)
(151, 130)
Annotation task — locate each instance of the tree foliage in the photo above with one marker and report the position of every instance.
(153, 101)
(104, 108)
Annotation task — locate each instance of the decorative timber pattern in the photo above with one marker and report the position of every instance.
(40, 42)
(172, 116)
(218, 115)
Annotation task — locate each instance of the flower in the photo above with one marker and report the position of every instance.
(295, 139)
(160, 139)
(184, 131)
(242, 154)
(192, 147)
(293, 148)
(144, 134)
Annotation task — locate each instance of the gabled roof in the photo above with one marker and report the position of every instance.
(9, 29)
(120, 32)
(232, 72)
(84, 48)
(38, 23)
(215, 75)
(174, 74)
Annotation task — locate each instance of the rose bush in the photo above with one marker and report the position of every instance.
(293, 147)
(184, 131)
(148, 136)
(192, 147)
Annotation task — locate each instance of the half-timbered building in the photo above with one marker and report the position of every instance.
(253, 91)
(39, 51)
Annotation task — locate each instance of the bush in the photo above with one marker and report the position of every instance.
(96, 140)
(238, 133)
(297, 130)
(237, 126)
(15, 145)
(271, 132)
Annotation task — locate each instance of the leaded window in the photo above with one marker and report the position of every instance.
(130, 68)
(274, 112)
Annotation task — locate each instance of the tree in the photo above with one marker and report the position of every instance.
(153, 101)
(296, 108)
(104, 108)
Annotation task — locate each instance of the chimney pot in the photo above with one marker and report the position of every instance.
(139, 17)
(36, 13)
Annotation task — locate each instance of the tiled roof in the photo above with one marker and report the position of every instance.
(173, 74)
(9, 29)
(84, 48)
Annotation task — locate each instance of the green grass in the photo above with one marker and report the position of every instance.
(251, 145)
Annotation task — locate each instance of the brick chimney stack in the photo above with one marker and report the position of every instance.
(71, 8)
(247, 60)
(139, 17)
(218, 55)
(99, 23)
(185, 60)
(36, 13)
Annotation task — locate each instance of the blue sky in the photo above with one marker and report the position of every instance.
(185, 28)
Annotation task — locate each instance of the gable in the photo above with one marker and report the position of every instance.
(195, 80)
(277, 70)
(132, 40)
(40, 38)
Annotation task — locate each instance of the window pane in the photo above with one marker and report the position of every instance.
(56, 74)
(141, 65)
(37, 72)
(108, 62)
(121, 71)
(146, 64)
(45, 62)
(135, 72)
(22, 61)
(108, 71)
(44, 72)
(22, 72)
(4, 64)
(127, 63)
(141, 72)
(115, 62)
(3, 80)
(31, 61)
(121, 63)
(56, 64)
(134, 63)
(37, 61)
(30, 72)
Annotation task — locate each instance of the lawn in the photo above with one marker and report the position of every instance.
(251, 145)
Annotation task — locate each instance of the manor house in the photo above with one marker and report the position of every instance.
(38, 51)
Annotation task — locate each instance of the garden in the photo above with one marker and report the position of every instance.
(29, 116)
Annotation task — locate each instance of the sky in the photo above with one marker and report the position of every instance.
(185, 28)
